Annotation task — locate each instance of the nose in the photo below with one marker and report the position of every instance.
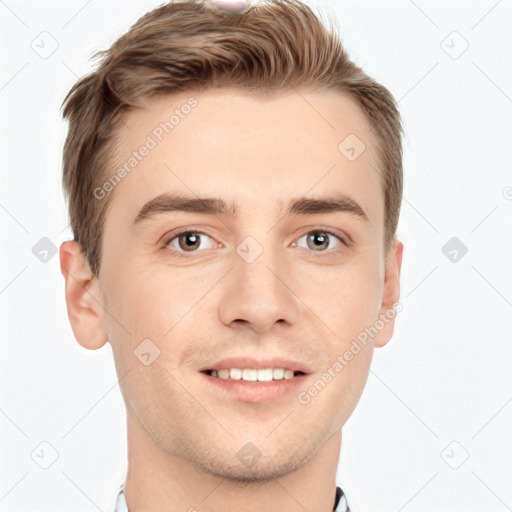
(257, 295)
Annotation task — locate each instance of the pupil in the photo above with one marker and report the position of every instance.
(321, 237)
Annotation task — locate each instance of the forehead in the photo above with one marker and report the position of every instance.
(254, 152)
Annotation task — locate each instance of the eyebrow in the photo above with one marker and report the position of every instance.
(165, 203)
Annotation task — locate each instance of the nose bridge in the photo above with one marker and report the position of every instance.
(257, 293)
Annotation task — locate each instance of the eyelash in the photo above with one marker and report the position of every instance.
(200, 232)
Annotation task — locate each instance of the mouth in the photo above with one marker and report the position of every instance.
(244, 383)
(253, 374)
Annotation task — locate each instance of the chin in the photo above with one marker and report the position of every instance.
(251, 464)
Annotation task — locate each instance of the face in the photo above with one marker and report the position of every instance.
(285, 267)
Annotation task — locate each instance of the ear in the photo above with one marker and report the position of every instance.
(84, 297)
(391, 293)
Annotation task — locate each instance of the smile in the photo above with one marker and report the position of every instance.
(253, 374)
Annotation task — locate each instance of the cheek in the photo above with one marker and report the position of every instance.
(158, 303)
(145, 301)
(346, 298)
(340, 382)
(353, 379)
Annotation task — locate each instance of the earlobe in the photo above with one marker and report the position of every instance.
(391, 293)
(84, 298)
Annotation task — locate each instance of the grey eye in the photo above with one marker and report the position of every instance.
(319, 241)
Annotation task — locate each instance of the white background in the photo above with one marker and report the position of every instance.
(441, 390)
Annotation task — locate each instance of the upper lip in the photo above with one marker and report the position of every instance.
(248, 362)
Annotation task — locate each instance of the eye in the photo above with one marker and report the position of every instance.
(319, 241)
(190, 241)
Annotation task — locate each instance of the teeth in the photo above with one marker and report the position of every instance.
(250, 375)
(253, 375)
(277, 373)
(265, 375)
(235, 373)
(223, 374)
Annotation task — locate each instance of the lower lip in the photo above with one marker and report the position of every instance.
(257, 391)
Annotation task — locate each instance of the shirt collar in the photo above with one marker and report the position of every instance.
(340, 501)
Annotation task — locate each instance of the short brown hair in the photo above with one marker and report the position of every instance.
(277, 46)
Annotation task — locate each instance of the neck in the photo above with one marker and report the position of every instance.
(159, 480)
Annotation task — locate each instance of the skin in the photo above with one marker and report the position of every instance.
(293, 301)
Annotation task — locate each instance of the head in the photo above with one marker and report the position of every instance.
(282, 158)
